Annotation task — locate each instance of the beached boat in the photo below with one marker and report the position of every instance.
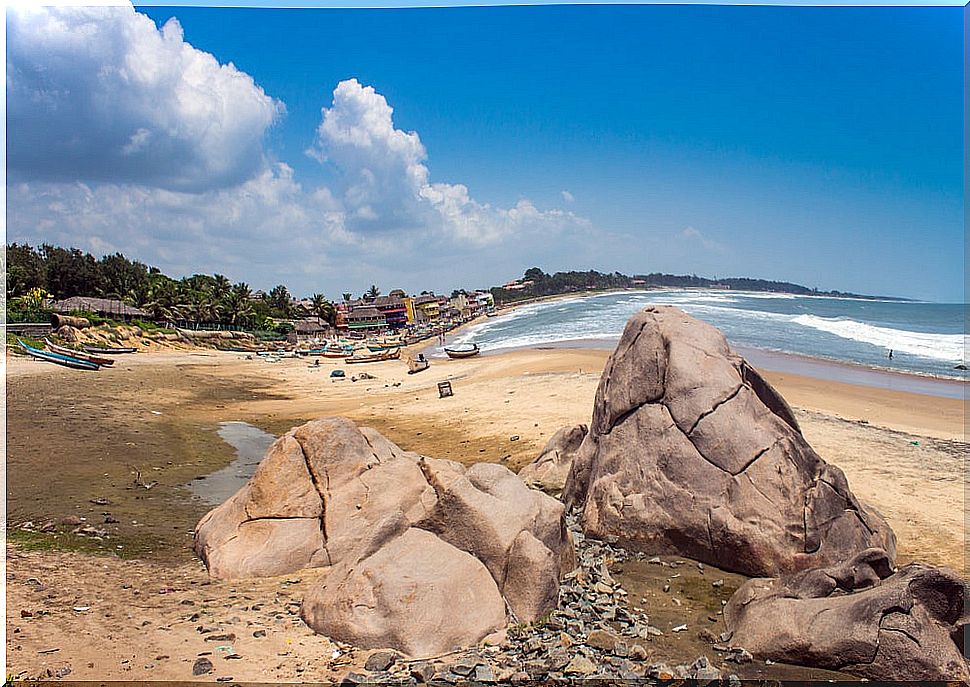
(337, 351)
(80, 355)
(419, 364)
(462, 350)
(106, 350)
(60, 359)
(393, 354)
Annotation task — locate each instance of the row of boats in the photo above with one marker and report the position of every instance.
(376, 350)
(87, 358)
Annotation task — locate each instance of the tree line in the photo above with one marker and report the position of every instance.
(35, 274)
(543, 284)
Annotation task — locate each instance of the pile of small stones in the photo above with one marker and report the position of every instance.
(588, 636)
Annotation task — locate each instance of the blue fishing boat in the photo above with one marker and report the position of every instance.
(59, 358)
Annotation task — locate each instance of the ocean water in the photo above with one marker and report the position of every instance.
(926, 338)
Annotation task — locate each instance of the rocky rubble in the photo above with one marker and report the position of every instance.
(590, 635)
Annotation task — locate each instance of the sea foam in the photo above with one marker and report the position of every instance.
(948, 347)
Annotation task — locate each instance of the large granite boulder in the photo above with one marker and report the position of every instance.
(413, 543)
(858, 617)
(692, 452)
(318, 488)
(416, 594)
(549, 470)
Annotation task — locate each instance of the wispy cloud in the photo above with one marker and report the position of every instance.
(695, 236)
(568, 197)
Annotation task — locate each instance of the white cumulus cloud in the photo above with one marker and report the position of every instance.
(124, 137)
(387, 183)
(101, 94)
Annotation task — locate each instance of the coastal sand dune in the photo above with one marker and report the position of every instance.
(85, 446)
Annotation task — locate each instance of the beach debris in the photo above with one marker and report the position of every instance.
(139, 482)
(678, 415)
(81, 609)
(859, 617)
(679, 628)
(445, 390)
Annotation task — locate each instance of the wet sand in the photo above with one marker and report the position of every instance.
(119, 446)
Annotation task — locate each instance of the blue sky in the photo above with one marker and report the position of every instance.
(817, 145)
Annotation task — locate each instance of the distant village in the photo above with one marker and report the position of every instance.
(51, 280)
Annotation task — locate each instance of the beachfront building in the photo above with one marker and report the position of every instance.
(105, 307)
(393, 309)
(365, 318)
(485, 299)
(311, 328)
(427, 307)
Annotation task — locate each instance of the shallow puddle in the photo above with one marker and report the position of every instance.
(251, 444)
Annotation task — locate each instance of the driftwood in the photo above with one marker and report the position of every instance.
(58, 321)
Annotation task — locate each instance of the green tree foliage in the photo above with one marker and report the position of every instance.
(280, 301)
(26, 270)
(323, 308)
(200, 299)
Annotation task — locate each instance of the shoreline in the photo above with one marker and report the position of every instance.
(821, 369)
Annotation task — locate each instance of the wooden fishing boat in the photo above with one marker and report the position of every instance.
(376, 357)
(376, 346)
(60, 359)
(80, 355)
(106, 350)
(419, 364)
(462, 350)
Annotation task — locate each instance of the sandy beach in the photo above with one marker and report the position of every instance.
(112, 451)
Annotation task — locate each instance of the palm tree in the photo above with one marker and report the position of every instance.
(322, 308)
(372, 293)
(164, 302)
(206, 309)
(236, 309)
(220, 286)
(348, 297)
(279, 298)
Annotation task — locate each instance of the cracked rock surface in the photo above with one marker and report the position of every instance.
(691, 452)
(858, 617)
(426, 555)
